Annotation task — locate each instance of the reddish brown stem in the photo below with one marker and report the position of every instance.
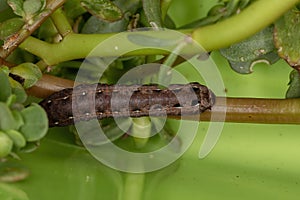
(15, 40)
(241, 110)
(48, 85)
(253, 110)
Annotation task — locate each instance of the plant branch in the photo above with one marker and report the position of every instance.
(133, 186)
(240, 110)
(253, 110)
(254, 18)
(15, 40)
(73, 46)
(61, 22)
(48, 84)
(251, 20)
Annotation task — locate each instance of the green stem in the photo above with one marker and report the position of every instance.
(254, 18)
(133, 187)
(61, 22)
(253, 110)
(239, 110)
(164, 75)
(141, 131)
(15, 40)
(76, 46)
(73, 46)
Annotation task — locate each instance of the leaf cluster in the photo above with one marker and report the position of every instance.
(88, 17)
(20, 126)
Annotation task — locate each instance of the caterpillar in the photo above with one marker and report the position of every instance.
(97, 101)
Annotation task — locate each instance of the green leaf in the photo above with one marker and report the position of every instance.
(97, 25)
(20, 56)
(11, 100)
(231, 7)
(153, 11)
(204, 21)
(17, 138)
(18, 90)
(130, 6)
(29, 72)
(48, 31)
(20, 94)
(165, 5)
(35, 123)
(30, 147)
(7, 120)
(286, 36)
(218, 12)
(4, 86)
(258, 48)
(5, 69)
(169, 23)
(17, 7)
(294, 85)
(9, 192)
(103, 9)
(73, 9)
(18, 119)
(32, 7)
(6, 145)
(10, 27)
(5, 11)
(27, 9)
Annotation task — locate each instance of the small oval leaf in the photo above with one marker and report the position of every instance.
(96, 25)
(17, 138)
(6, 144)
(17, 7)
(29, 72)
(32, 7)
(18, 90)
(10, 27)
(103, 9)
(4, 87)
(7, 120)
(30, 147)
(35, 123)
(18, 119)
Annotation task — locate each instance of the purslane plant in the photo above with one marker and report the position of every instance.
(33, 30)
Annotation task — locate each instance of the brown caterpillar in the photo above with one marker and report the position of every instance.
(86, 102)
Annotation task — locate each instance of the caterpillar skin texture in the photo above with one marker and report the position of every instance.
(98, 101)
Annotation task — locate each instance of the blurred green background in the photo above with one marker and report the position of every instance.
(250, 161)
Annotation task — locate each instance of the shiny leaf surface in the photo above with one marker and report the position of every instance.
(244, 55)
(103, 9)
